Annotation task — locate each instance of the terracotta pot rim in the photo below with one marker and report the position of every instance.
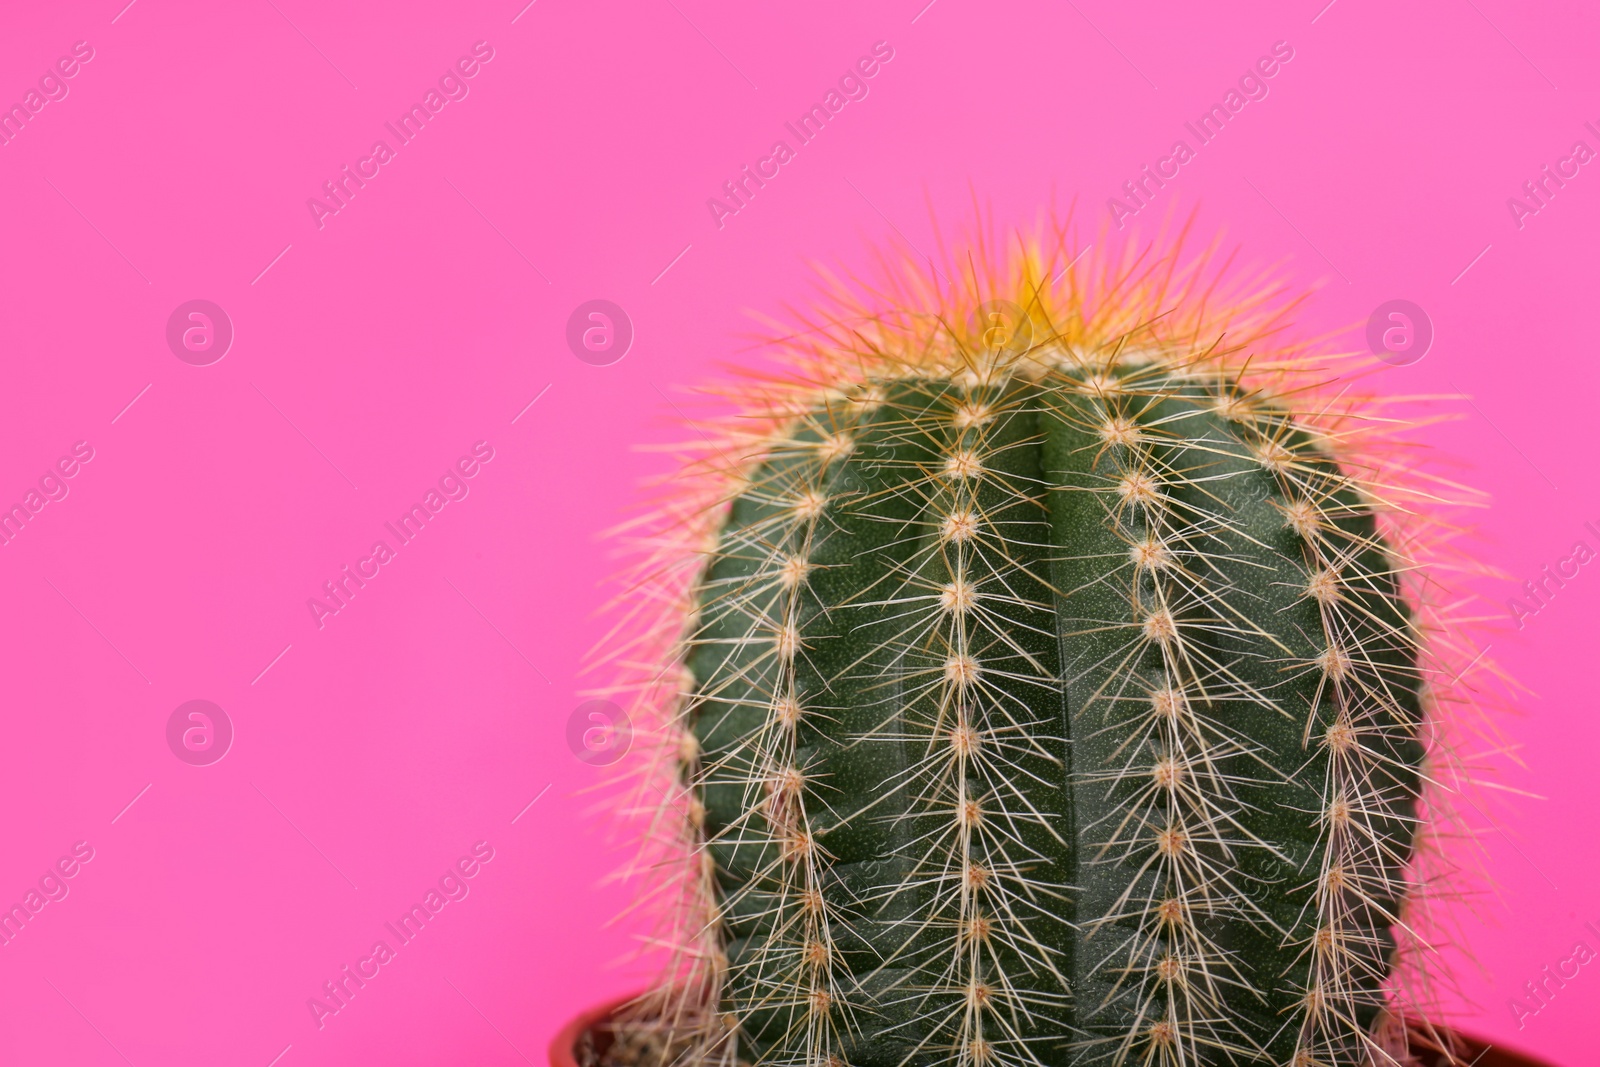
(561, 1047)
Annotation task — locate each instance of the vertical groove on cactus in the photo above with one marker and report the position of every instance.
(1066, 701)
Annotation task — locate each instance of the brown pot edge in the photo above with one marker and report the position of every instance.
(561, 1047)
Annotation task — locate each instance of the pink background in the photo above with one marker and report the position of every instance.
(428, 713)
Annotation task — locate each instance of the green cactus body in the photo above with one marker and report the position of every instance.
(1060, 713)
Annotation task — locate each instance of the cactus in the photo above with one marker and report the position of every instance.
(1055, 689)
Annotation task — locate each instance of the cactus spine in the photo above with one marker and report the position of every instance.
(1049, 697)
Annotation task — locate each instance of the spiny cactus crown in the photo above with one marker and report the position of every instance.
(1059, 703)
